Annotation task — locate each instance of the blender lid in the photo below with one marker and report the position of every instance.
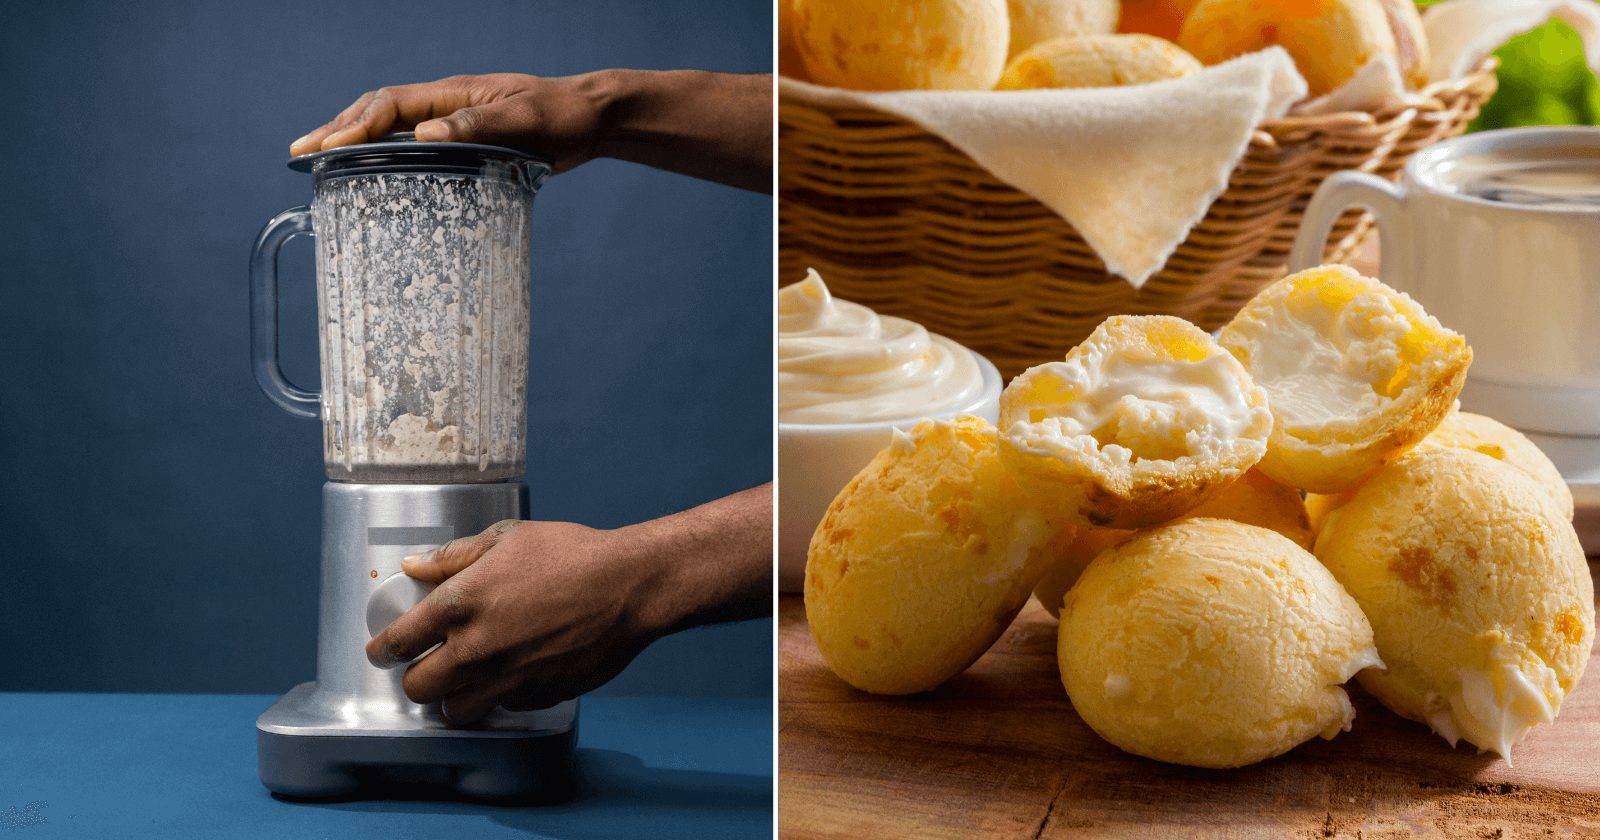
(401, 151)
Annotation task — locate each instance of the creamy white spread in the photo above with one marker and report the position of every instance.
(1493, 709)
(840, 362)
(1135, 407)
(1363, 659)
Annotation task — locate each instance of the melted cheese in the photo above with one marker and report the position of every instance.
(1323, 363)
(1133, 407)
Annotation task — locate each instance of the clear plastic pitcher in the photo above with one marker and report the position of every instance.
(422, 302)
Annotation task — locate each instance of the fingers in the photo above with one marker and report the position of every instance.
(506, 122)
(418, 629)
(437, 131)
(556, 681)
(471, 703)
(313, 141)
(377, 112)
(445, 671)
(403, 105)
(440, 564)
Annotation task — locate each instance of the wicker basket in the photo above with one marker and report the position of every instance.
(899, 220)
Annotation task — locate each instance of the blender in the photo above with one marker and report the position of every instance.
(422, 300)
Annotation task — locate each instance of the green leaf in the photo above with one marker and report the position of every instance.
(1543, 81)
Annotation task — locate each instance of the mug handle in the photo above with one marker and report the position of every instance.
(1340, 191)
(296, 221)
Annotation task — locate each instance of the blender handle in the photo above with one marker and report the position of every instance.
(295, 221)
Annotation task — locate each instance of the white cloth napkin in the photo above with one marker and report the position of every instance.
(1375, 86)
(1133, 169)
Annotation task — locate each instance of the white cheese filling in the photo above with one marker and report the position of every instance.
(1132, 408)
(1321, 366)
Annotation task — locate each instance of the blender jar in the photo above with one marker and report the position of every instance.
(422, 301)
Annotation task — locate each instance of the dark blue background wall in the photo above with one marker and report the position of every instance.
(159, 515)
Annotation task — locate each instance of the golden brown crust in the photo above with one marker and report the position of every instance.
(1161, 18)
(1319, 469)
(1097, 61)
(1319, 505)
(1267, 636)
(1036, 21)
(903, 44)
(1073, 493)
(1465, 430)
(1465, 568)
(1257, 500)
(1069, 559)
(1254, 499)
(1329, 39)
(922, 560)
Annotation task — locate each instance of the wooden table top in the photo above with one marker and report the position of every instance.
(999, 752)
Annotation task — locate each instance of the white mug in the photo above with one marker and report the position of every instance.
(1520, 281)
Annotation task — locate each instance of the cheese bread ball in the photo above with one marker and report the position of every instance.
(1356, 373)
(1329, 39)
(922, 560)
(1253, 500)
(1211, 643)
(789, 62)
(1465, 430)
(1068, 560)
(1141, 423)
(1477, 590)
(903, 44)
(1410, 40)
(1319, 505)
(1258, 500)
(1161, 18)
(1097, 61)
(1035, 21)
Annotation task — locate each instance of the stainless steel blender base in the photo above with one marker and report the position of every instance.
(305, 752)
(353, 732)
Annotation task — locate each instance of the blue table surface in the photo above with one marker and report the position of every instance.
(184, 765)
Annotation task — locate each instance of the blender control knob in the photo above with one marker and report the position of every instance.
(396, 594)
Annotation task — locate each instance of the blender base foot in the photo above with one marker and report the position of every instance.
(510, 757)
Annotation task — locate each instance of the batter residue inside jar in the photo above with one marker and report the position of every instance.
(424, 326)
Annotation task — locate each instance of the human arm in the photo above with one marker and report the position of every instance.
(715, 126)
(533, 613)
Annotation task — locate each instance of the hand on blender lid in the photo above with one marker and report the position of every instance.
(714, 126)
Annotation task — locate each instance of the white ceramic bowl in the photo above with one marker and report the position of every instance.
(816, 461)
